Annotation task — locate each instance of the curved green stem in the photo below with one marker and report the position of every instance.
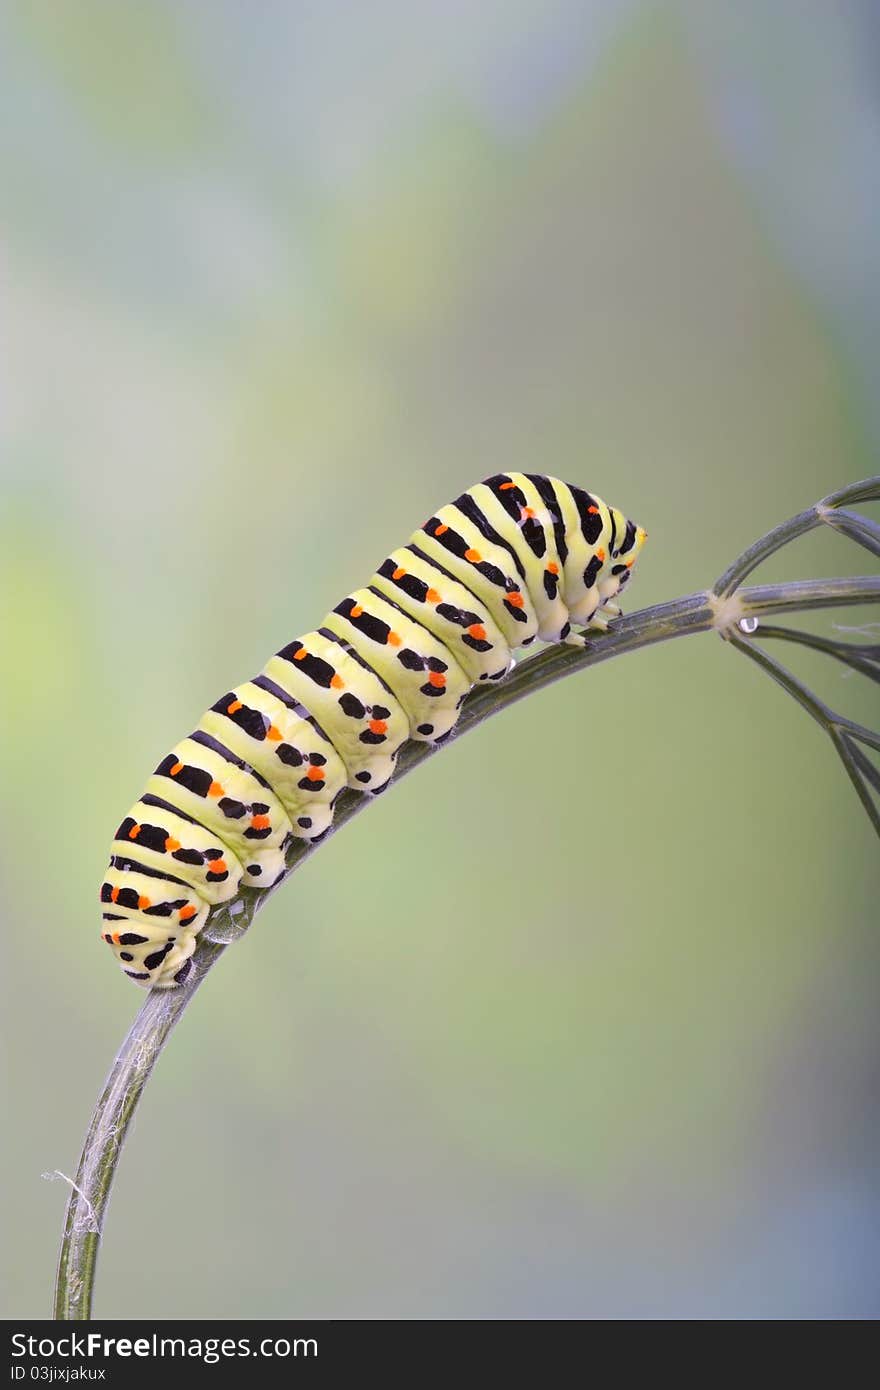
(152, 1027)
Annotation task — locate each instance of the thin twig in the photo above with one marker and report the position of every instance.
(869, 770)
(845, 734)
(824, 513)
(861, 773)
(796, 688)
(863, 657)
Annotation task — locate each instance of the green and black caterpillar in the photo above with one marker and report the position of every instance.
(515, 558)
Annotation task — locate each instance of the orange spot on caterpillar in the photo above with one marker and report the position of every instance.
(273, 733)
(505, 486)
(315, 774)
(260, 822)
(528, 511)
(629, 564)
(441, 530)
(337, 682)
(432, 596)
(436, 678)
(116, 937)
(171, 845)
(474, 556)
(187, 913)
(515, 599)
(357, 611)
(393, 639)
(477, 632)
(218, 866)
(300, 655)
(178, 767)
(215, 789)
(114, 895)
(134, 832)
(553, 568)
(600, 554)
(378, 726)
(398, 573)
(144, 903)
(593, 511)
(234, 707)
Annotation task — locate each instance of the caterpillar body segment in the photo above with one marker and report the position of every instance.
(516, 558)
(350, 701)
(157, 840)
(493, 574)
(456, 616)
(418, 669)
(287, 748)
(215, 788)
(521, 519)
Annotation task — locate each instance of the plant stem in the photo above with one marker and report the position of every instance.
(160, 1012)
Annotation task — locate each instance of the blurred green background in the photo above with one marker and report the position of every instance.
(279, 279)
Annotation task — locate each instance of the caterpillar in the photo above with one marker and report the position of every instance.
(516, 558)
